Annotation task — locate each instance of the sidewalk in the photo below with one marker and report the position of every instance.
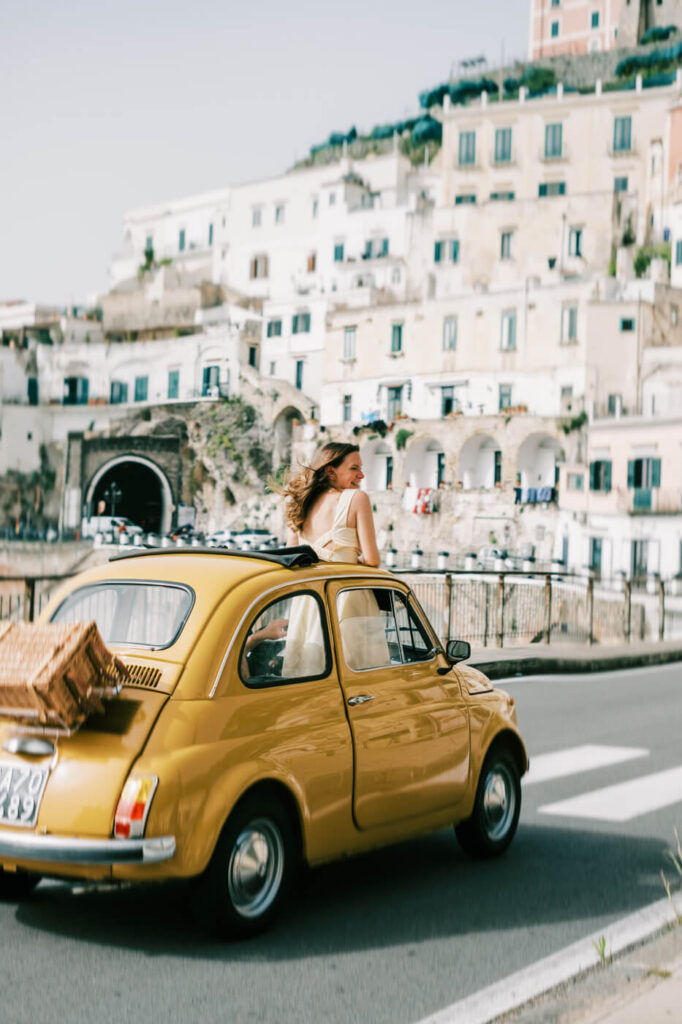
(538, 659)
(643, 986)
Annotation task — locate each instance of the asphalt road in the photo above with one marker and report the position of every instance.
(396, 935)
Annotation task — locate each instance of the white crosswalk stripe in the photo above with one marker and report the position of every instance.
(623, 801)
(561, 763)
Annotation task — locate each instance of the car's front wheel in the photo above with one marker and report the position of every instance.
(251, 870)
(491, 827)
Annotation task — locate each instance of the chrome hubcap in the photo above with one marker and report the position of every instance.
(499, 801)
(256, 866)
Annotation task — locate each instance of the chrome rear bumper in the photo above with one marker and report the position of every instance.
(47, 849)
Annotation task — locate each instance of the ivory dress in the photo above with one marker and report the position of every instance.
(362, 629)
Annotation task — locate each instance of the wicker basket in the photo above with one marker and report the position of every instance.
(55, 675)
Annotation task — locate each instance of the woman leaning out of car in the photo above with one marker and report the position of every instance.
(325, 508)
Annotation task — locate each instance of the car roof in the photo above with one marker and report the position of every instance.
(213, 574)
(215, 571)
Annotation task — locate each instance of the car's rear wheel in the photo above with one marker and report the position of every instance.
(251, 870)
(17, 885)
(491, 827)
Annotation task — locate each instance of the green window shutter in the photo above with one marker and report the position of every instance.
(593, 475)
(607, 475)
(655, 472)
(631, 473)
(437, 252)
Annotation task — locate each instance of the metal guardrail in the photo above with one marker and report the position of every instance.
(498, 609)
(489, 609)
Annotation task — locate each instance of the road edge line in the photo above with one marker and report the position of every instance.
(515, 990)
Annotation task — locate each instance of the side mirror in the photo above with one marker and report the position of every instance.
(458, 650)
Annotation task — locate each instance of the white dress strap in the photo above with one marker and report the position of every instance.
(343, 504)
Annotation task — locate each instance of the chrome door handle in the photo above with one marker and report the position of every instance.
(362, 699)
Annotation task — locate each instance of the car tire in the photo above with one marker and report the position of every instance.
(17, 885)
(251, 872)
(492, 826)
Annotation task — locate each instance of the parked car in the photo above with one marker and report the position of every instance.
(279, 711)
(256, 540)
(490, 557)
(222, 539)
(93, 525)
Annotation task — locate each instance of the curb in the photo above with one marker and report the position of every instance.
(507, 664)
(519, 989)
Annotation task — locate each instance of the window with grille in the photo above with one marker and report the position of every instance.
(503, 145)
(467, 148)
(622, 134)
(553, 140)
(508, 331)
(449, 333)
(349, 336)
(300, 323)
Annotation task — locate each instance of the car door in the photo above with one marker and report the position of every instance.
(409, 723)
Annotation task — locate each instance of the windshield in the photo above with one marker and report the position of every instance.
(141, 614)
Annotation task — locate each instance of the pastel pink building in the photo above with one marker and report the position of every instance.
(573, 26)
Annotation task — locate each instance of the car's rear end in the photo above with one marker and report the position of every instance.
(71, 800)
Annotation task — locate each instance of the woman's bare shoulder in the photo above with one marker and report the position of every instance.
(360, 500)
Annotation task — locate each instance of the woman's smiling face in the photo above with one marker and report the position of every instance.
(348, 473)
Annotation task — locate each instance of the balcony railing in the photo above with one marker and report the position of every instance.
(534, 495)
(555, 156)
(618, 151)
(501, 159)
(654, 500)
(641, 499)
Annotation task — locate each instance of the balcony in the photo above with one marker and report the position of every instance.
(641, 499)
(653, 500)
(554, 157)
(503, 159)
(621, 151)
(535, 495)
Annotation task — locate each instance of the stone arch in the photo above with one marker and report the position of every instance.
(424, 464)
(283, 428)
(146, 494)
(480, 462)
(377, 465)
(536, 462)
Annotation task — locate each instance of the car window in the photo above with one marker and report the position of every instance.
(142, 614)
(286, 643)
(378, 628)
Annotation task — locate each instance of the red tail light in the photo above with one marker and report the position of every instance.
(133, 807)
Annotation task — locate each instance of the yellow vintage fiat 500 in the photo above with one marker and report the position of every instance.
(278, 711)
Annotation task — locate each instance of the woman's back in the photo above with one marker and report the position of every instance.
(327, 530)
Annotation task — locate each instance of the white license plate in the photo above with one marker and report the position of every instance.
(21, 790)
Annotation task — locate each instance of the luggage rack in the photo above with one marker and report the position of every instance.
(54, 727)
(52, 676)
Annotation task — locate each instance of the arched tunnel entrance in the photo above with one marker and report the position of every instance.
(134, 488)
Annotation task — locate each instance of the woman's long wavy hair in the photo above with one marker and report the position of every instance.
(302, 490)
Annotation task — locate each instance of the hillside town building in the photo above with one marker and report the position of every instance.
(495, 322)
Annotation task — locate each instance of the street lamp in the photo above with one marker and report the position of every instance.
(113, 494)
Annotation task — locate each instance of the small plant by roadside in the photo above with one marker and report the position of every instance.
(600, 947)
